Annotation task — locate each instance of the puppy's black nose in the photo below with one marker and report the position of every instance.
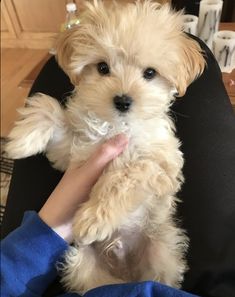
(122, 103)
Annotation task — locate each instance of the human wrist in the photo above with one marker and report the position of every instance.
(65, 232)
(63, 229)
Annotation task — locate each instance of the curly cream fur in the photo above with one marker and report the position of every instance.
(126, 230)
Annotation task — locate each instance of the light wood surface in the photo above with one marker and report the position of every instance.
(7, 28)
(31, 24)
(227, 26)
(40, 16)
(28, 81)
(229, 78)
(3, 23)
(16, 65)
(229, 82)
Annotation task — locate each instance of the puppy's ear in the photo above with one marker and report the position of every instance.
(66, 53)
(190, 64)
(78, 47)
(181, 60)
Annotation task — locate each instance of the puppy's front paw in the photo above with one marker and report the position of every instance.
(88, 228)
(36, 126)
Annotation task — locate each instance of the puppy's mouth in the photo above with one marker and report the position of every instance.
(123, 115)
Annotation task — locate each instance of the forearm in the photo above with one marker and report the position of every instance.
(28, 259)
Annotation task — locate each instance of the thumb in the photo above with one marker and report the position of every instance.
(105, 153)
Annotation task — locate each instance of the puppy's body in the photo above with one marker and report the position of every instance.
(126, 231)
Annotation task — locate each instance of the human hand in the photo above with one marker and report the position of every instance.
(75, 186)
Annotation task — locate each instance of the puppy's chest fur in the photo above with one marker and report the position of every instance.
(82, 133)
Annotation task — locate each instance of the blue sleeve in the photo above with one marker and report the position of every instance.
(28, 257)
(143, 289)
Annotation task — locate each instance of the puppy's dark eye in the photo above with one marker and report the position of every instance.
(149, 73)
(103, 68)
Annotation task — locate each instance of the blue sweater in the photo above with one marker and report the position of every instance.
(28, 257)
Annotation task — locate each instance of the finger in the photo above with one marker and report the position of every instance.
(109, 150)
(105, 153)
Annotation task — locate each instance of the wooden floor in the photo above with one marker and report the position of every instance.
(15, 67)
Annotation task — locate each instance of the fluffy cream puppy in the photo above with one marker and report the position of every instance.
(127, 62)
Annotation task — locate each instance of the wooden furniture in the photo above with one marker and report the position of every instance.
(229, 78)
(31, 24)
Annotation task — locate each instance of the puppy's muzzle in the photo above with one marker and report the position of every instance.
(122, 103)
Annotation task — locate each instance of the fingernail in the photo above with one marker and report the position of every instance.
(120, 140)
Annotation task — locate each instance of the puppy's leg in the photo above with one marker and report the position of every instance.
(82, 270)
(163, 260)
(118, 194)
(114, 197)
(36, 127)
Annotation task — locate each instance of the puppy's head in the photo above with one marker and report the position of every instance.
(129, 60)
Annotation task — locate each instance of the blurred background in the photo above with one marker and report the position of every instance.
(192, 7)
